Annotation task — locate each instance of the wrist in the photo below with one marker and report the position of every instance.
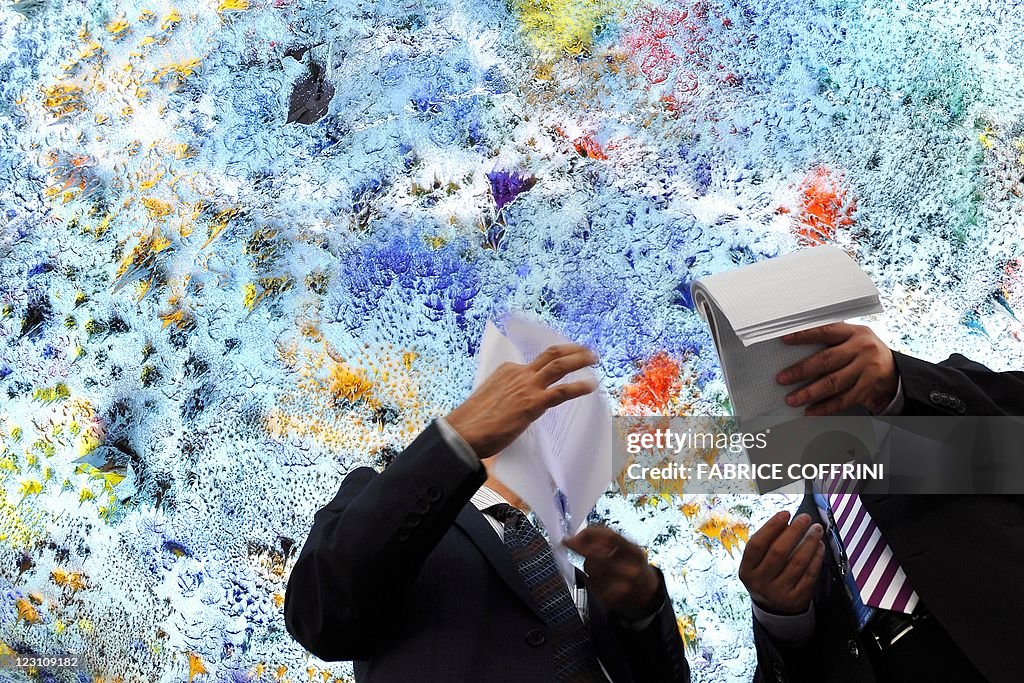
(647, 600)
(457, 443)
(794, 630)
(780, 611)
(464, 432)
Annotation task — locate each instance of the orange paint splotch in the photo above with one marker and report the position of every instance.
(826, 205)
(587, 146)
(655, 387)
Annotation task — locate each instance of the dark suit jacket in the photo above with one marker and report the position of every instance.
(403, 575)
(964, 555)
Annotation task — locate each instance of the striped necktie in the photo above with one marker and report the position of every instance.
(881, 581)
(575, 659)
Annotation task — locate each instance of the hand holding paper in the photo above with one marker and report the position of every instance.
(749, 309)
(556, 455)
(776, 324)
(505, 403)
(856, 369)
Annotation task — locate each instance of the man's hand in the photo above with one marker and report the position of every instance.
(856, 369)
(618, 572)
(781, 564)
(515, 395)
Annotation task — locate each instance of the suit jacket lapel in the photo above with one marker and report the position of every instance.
(482, 534)
(479, 530)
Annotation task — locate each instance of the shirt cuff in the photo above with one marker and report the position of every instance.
(794, 629)
(895, 406)
(641, 624)
(457, 443)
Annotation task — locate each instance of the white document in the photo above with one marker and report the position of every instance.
(748, 309)
(562, 463)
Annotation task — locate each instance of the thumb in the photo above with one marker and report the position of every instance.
(572, 543)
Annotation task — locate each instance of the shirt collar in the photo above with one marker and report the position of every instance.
(485, 498)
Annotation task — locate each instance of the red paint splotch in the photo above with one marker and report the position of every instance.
(678, 47)
(826, 205)
(656, 385)
(651, 42)
(1012, 282)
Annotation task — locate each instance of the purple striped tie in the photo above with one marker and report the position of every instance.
(878, 575)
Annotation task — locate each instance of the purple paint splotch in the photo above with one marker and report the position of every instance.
(507, 185)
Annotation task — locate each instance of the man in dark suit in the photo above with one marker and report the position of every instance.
(419, 573)
(959, 558)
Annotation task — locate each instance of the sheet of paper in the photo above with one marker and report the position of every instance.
(563, 462)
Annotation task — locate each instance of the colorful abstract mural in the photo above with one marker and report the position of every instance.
(248, 245)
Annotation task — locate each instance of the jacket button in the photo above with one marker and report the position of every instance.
(412, 519)
(535, 638)
(403, 534)
(935, 397)
(422, 506)
(961, 408)
(433, 494)
(854, 650)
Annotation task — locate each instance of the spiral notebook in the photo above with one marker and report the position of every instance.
(748, 309)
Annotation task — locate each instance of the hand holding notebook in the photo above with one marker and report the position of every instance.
(749, 309)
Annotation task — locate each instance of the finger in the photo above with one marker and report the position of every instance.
(847, 399)
(594, 541)
(762, 540)
(805, 585)
(831, 406)
(777, 557)
(802, 556)
(576, 543)
(821, 363)
(559, 367)
(561, 393)
(553, 352)
(596, 567)
(834, 333)
(830, 385)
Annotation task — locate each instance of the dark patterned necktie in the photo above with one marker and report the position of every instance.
(575, 660)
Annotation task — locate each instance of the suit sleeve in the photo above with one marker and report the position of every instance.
(785, 662)
(958, 386)
(655, 653)
(367, 546)
(779, 661)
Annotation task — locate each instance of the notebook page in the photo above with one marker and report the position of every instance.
(495, 349)
(750, 370)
